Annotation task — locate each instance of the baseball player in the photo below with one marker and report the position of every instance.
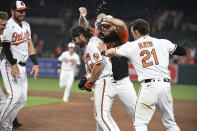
(114, 33)
(150, 57)
(98, 74)
(3, 22)
(17, 46)
(68, 67)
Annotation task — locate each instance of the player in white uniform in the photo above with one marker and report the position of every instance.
(3, 22)
(150, 57)
(69, 62)
(17, 46)
(98, 72)
(114, 32)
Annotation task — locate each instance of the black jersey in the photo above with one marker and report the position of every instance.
(119, 64)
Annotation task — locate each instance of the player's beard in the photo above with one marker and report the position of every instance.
(18, 18)
(81, 44)
(112, 37)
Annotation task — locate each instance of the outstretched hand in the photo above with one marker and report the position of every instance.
(35, 70)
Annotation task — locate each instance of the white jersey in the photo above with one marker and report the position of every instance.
(92, 57)
(0, 46)
(150, 56)
(18, 37)
(69, 62)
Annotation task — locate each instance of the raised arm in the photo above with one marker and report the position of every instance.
(82, 18)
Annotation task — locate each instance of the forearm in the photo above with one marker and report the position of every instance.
(8, 53)
(83, 21)
(110, 52)
(31, 49)
(96, 72)
(59, 64)
(121, 26)
(179, 51)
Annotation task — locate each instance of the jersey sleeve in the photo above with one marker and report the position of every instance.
(170, 46)
(95, 55)
(124, 36)
(123, 50)
(7, 35)
(61, 57)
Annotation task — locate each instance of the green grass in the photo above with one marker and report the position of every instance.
(50, 84)
(187, 92)
(39, 101)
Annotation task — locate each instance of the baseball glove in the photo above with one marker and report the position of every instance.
(84, 84)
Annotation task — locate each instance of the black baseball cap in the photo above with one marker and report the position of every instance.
(18, 5)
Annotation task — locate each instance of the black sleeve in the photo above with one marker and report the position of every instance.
(59, 64)
(179, 51)
(8, 53)
(34, 59)
(103, 53)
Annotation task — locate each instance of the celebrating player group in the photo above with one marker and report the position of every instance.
(107, 53)
(106, 57)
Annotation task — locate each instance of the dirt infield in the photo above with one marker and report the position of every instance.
(77, 115)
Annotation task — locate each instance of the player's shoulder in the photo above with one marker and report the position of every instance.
(10, 23)
(94, 41)
(164, 41)
(25, 23)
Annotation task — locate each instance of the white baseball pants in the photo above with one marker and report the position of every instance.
(2, 99)
(152, 95)
(103, 101)
(125, 91)
(66, 80)
(17, 94)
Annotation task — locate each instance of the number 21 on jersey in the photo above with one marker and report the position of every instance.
(146, 56)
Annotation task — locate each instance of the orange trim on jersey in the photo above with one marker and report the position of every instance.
(100, 61)
(124, 36)
(18, 43)
(173, 49)
(102, 106)
(10, 88)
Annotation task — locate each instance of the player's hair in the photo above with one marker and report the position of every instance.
(141, 25)
(77, 30)
(3, 15)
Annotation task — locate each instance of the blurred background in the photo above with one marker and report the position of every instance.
(51, 21)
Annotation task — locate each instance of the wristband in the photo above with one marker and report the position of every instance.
(34, 59)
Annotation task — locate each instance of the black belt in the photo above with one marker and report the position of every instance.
(154, 80)
(22, 63)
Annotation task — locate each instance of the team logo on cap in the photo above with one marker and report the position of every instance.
(22, 4)
(96, 56)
